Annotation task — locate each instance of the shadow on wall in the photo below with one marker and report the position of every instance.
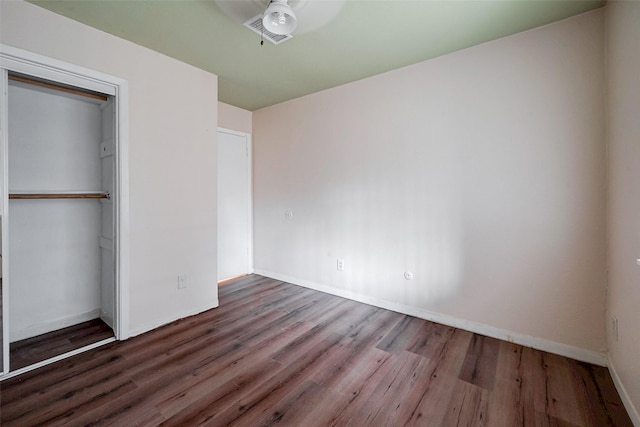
(400, 238)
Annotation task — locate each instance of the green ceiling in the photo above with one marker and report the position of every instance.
(368, 37)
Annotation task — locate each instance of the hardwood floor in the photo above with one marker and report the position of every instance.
(42, 347)
(1, 328)
(275, 353)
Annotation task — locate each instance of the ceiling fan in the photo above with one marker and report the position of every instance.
(276, 20)
(279, 18)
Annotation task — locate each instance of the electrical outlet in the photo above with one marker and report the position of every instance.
(340, 264)
(182, 281)
(614, 328)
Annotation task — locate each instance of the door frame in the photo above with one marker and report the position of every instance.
(247, 136)
(39, 66)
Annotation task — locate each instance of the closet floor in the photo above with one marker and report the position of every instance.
(42, 347)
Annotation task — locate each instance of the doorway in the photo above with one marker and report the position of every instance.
(63, 171)
(235, 240)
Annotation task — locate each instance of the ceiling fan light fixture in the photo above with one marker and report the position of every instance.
(279, 18)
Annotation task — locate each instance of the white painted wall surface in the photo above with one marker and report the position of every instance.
(482, 172)
(623, 79)
(231, 117)
(172, 156)
(54, 141)
(53, 244)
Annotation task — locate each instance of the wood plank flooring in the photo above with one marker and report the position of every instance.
(274, 353)
(42, 347)
(1, 328)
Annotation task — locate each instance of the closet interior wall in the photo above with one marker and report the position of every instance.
(107, 232)
(60, 249)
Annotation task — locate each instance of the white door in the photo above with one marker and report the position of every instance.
(234, 204)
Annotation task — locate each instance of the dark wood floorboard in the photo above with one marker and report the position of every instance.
(275, 353)
(42, 347)
(1, 329)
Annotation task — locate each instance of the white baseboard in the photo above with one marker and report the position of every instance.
(53, 325)
(528, 341)
(626, 400)
(166, 320)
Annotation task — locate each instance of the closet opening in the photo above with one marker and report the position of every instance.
(59, 221)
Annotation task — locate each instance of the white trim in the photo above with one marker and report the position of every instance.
(166, 320)
(32, 64)
(479, 328)
(622, 391)
(4, 210)
(121, 214)
(25, 62)
(56, 359)
(250, 178)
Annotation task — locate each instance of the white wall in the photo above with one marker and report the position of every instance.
(234, 118)
(623, 79)
(482, 172)
(172, 155)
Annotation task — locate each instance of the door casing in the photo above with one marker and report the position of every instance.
(38, 66)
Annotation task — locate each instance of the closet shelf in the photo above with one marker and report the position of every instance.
(26, 196)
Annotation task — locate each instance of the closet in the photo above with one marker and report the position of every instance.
(60, 242)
